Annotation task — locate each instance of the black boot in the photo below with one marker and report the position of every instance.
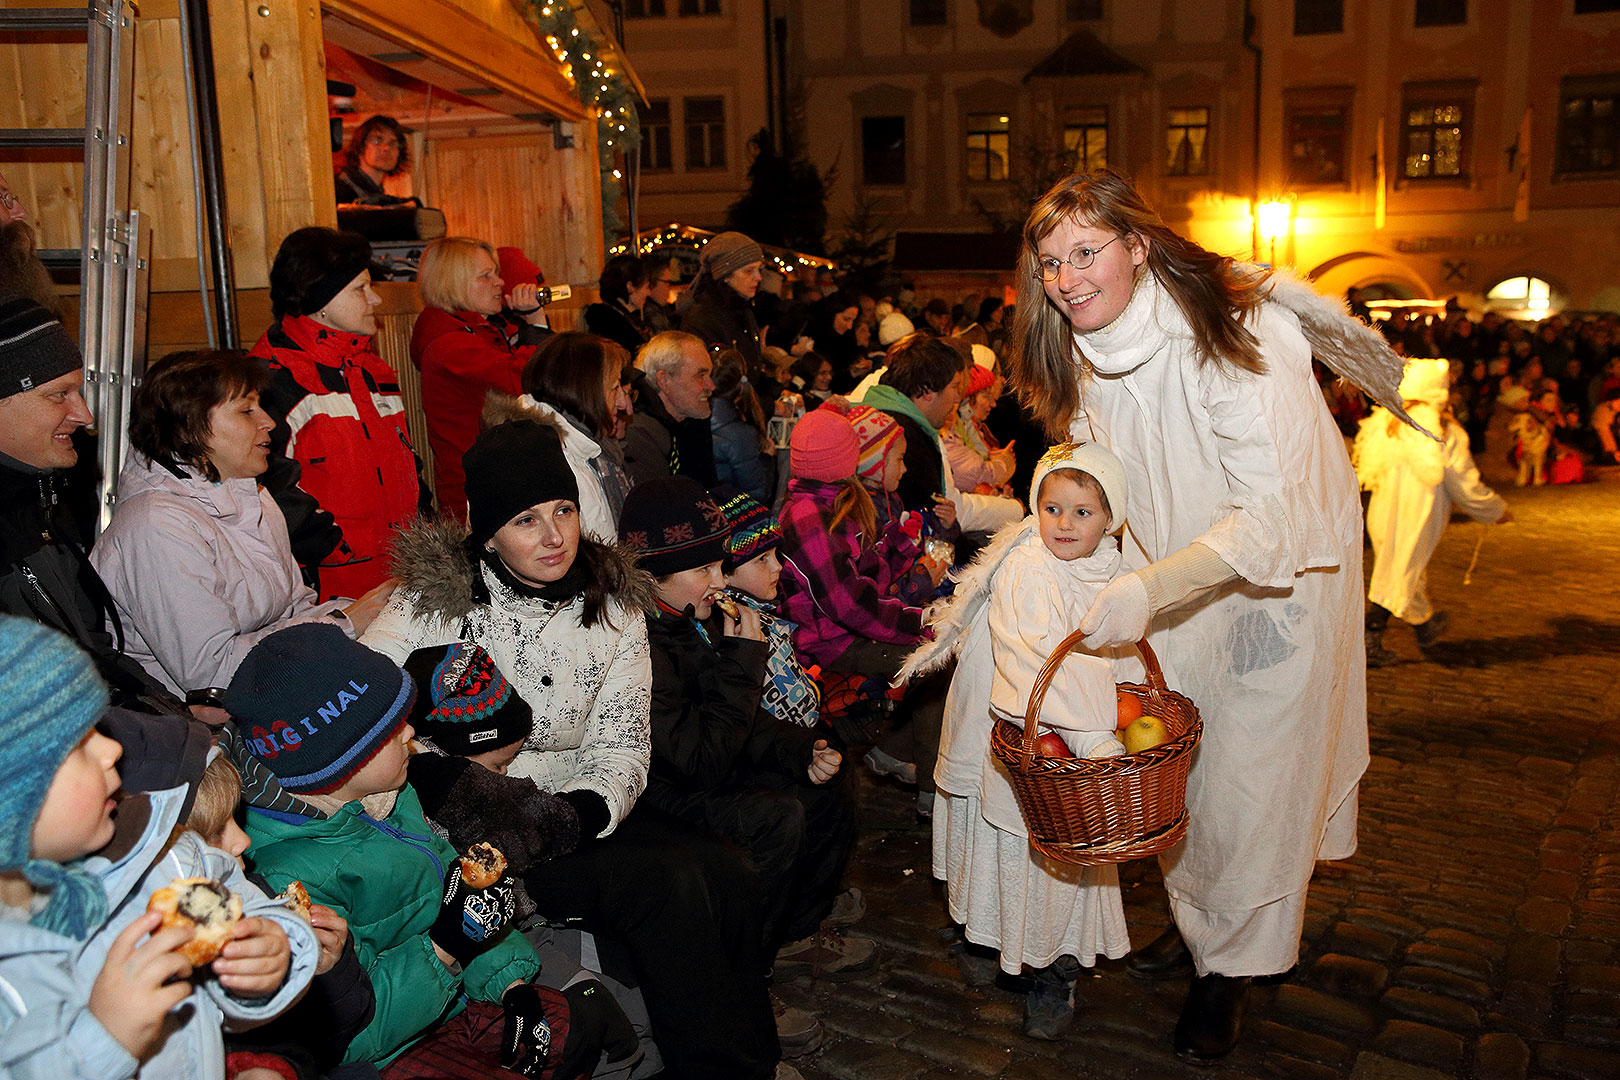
(1166, 957)
(1429, 632)
(1212, 1019)
(1049, 1008)
(1377, 655)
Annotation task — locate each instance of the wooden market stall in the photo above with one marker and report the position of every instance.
(502, 144)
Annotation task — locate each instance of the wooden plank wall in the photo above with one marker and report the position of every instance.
(516, 190)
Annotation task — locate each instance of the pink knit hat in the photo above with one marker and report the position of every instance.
(823, 447)
(875, 432)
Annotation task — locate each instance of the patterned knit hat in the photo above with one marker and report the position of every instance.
(729, 252)
(673, 524)
(752, 527)
(34, 348)
(823, 447)
(464, 703)
(875, 432)
(315, 706)
(50, 695)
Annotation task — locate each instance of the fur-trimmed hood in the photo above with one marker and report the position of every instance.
(432, 565)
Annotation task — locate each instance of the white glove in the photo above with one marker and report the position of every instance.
(1097, 744)
(1119, 615)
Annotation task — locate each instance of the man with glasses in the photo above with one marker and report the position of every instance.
(378, 150)
(659, 311)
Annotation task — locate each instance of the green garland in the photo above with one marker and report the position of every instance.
(602, 89)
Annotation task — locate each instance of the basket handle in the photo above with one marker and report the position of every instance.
(1049, 670)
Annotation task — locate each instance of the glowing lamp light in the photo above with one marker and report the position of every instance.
(1272, 217)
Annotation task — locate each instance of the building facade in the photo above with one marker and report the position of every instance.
(1418, 148)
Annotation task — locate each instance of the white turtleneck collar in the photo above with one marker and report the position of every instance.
(1149, 320)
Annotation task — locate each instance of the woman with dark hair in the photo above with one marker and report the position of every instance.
(576, 384)
(463, 347)
(722, 313)
(624, 290)
(196, 557)
(336, 404)
(812, 377)
(561, 615)
(378, 150)
(742, 444)
(1244, 548)
(833, 328)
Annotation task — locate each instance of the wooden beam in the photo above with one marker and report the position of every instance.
(490, 41)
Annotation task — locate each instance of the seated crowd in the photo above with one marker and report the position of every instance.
(672, 573)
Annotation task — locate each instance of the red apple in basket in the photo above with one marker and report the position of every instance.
(1051, 744)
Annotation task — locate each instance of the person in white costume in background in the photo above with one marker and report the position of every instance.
(1415, 481)
(1243, 550)
(1024, 593)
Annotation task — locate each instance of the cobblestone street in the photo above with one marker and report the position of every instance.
(1476, 933)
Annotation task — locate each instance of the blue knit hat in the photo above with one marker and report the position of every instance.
(50, 696)
(315, 705)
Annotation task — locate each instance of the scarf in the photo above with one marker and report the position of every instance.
(791, 695)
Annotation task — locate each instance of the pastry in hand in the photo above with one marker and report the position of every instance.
(482, 866)
(297, 898)
(208, 907)
(727, 605)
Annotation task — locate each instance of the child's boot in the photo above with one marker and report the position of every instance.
(1049, 1008)
(1377, 622)
(1429, 632)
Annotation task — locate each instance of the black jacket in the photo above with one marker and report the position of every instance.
(656, 444)
(709, 734)
(724, 320)
(615, 322)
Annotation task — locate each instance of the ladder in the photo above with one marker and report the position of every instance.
(114, 250)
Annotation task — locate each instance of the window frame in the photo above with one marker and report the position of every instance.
(1071, 122)
(1169, 159)
(1591, 87)
(1462, 93)
(711, 140)
(709, 7)
(645, 9)
(650, 140)
(969, 133)
(905, 164)
(1319, 100)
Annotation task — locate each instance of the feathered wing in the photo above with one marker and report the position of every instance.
(953, 617)
(1346, 344)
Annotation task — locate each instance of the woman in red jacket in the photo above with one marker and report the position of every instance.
(337, 405)
(464, 349)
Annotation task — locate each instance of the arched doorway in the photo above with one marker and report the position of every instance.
(1391, 279)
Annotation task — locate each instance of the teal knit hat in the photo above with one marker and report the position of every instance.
(50, 695)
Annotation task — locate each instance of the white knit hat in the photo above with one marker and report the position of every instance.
(893, 327)
(984, 356)
(1095, 460)
(1428, 381)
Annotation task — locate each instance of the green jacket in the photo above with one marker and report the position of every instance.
(387, 879)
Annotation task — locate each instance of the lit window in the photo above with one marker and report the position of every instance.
(1085, 134)
(1440, 13)
(1521, 293)
(1588, 125)
(655, 136)
(1435, 119)
(705, 133)
(987, 146)
(643, 9)
(1186, 137)
(883, 150)
(1318, 17)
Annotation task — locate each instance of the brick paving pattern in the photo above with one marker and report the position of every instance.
(1475, 934)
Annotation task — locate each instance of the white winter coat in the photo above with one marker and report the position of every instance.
(201, 572)
(590, 689)
(1415, 482)
(1253, 467)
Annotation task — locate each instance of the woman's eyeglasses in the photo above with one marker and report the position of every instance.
(1081, 258)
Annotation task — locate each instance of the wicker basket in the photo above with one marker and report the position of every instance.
(1091, 811)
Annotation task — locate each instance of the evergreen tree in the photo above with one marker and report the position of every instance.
(786, 201)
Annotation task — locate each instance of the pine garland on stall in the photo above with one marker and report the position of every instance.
(602, 89)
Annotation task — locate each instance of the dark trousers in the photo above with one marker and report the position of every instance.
(686, 905)
(798, 836)
(914, 731)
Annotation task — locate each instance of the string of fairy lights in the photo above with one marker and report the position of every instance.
(601, 88)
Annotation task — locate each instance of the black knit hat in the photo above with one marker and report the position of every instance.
(463, 702)
(316, 705)
(673, 524)
(34, 346)
(510, 468)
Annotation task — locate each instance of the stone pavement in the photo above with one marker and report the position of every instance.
(1475, 934)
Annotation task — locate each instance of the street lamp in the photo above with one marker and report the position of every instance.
(1273, 221)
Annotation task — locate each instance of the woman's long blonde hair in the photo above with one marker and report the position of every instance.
(1214, 293)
